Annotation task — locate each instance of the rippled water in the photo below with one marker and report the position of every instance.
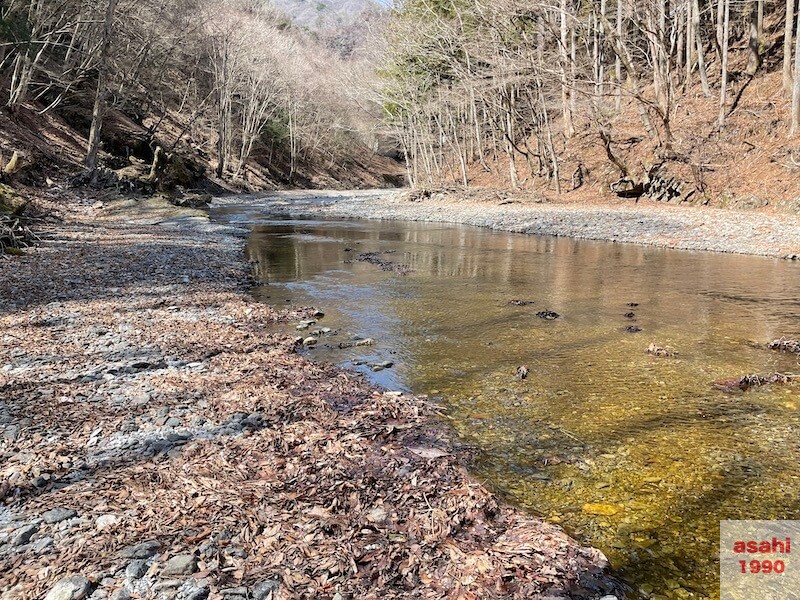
(638, 455)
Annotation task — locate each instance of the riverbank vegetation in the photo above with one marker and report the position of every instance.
(643, 97)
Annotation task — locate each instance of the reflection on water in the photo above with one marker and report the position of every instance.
(638, 455)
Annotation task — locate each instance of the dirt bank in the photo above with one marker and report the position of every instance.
(645, 222)
(158, 440)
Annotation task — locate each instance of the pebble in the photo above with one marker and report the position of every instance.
(107, 521)
(180, 565)
(136, 569)
(310, 341)
(23, 535)
(262, 590)
(74, 587)
(143, 550)
(56, 515)
(42, 545)
(197, 594)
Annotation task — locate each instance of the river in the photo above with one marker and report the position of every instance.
(636, 454)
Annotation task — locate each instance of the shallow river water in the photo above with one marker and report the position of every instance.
(638, 455)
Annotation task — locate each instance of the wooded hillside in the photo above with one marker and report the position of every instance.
(234, 88)
(660, 97)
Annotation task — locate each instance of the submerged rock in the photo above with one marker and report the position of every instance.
(522, 372)
(753, 380)
(659, 351)
(548, 315)
(600, 509)
(785, 345)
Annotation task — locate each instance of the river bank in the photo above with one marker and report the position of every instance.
(160, 440)
(647, 223)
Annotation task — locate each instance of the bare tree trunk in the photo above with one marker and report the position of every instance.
(796, 84)
(701, 60)
(99, 109)
(617, 60)
(723, 91)
(787, 45)
(566, 93)
(754, 43)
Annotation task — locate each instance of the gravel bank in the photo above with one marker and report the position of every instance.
(159, 440)
(648, 223)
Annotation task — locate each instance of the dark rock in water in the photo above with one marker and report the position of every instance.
(374, 258)
(633, 304)
(753, 380)
(630, 315)
(785, 345)
(522, 372)
(633, 329)
(548, 315)
(521, 302)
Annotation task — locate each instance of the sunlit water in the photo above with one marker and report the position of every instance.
(656, 451)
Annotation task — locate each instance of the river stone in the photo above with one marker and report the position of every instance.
(600, 509)
(261, 591)
(74, 587)
(180, 565)
(24, 534)
(57, 515)
(107, 521)
(43, 545)
(310, 341)
(143, 550)
(136, 569)
(199, 593)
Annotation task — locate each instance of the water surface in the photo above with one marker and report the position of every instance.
(638, 455)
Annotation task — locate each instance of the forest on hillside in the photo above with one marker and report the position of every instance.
(237, 87)
(556, 94)
(632, 97)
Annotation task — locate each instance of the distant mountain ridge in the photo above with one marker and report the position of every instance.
(321, 13)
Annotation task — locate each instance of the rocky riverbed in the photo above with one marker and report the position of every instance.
(647, 222)
(159, 440)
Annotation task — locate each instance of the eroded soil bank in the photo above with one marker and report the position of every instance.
(757, 232)
(159, 440)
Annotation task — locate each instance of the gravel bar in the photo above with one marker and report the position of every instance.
(647, 223)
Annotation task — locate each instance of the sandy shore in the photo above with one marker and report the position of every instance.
(159, 440)
(647, 222)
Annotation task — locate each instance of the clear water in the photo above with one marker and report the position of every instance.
(637, 455)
